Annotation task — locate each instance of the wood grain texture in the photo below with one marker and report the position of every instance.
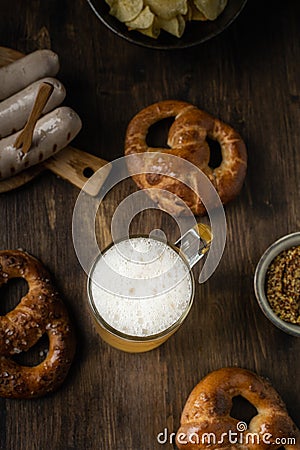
(249, 77)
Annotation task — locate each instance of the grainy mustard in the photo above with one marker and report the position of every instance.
(283, 285)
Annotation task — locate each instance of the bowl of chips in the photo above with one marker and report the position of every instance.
(167, 24)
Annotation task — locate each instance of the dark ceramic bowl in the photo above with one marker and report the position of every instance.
(195, 33)
(277, 247)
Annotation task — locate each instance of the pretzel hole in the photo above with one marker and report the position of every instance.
(215, 158)
(11, 294)
(242, 410)
(157, 136)
(35, 355)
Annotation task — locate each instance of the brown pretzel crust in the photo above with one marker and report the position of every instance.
(40, 311)
(208, 408)
(187, 139)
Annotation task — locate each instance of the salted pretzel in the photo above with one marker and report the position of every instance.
(40, 311)
(208, 408)
(187, 139)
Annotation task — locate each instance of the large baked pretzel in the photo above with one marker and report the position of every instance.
(187, 139)
(40, 311)
(206, 414)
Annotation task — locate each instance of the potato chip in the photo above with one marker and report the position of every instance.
(194, 13)
(211, 8)
(153, 31)
(150, 16)
(167, 9)
(142, 21)
(173, 26)
(126, 10)
(110, 2)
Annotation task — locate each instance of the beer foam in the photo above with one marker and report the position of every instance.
(141, 286)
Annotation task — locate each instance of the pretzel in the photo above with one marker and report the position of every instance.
(208, 407)
(40, 311)
(187, 139)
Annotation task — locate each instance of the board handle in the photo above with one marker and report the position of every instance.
(77, 167)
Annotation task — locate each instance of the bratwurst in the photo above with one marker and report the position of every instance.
(52, 132)
(15, 110)
(16, 76)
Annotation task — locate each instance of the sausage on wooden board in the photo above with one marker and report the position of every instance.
(52, 132)
(19, 74)
(15, 110)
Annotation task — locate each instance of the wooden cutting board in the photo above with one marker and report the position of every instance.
(70, 163)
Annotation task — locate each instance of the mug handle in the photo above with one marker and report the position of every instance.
(195, 243)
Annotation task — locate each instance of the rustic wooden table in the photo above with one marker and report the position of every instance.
(248, 76)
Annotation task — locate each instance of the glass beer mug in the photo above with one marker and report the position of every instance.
(141, 288)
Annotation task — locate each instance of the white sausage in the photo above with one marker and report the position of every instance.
(53, 132)
(26, 70)
(15, 110)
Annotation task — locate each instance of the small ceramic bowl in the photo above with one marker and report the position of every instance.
(282, 244)
(195, 33)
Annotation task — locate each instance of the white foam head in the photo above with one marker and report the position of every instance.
(140, 286)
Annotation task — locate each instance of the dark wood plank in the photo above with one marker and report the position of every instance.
(248, 76)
